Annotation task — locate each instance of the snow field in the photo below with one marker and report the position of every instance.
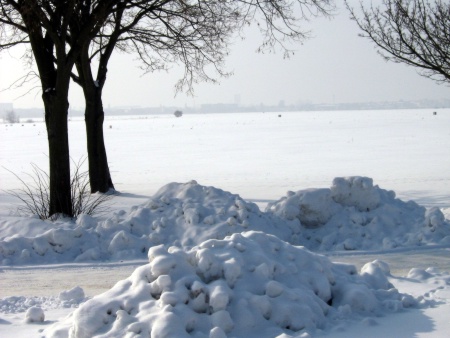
(218, 263)
(258, 155)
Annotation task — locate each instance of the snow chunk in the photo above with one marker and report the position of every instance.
(34, 315)
(313, 207)
(356, 191)
(217, 332)
(419, 274)
(86, 221)
(74, 295)
(274, 289)
(375, 274)
(434, 218)
(219, 296)
(162, 265)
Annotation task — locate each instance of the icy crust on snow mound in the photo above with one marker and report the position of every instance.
(246, 285)
(356, 215)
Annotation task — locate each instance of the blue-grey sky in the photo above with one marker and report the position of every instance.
(335, 65)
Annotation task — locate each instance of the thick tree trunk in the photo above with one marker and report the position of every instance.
(56, 109)
(99, 174)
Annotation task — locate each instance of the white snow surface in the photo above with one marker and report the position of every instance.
(212, 263)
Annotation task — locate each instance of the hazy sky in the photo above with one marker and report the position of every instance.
(334, 66)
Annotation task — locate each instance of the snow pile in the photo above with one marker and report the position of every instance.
(356, 215)
(430, 275)
(179, 214)
(67, 299)
(188, 214)
(63, 242)
(246, 285)
(352, 215)
(72, 297)
(16, 304)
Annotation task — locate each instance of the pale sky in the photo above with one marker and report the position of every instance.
(335, 65)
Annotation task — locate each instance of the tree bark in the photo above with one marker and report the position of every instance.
(99, 174)
(56, 109)
(55, 80)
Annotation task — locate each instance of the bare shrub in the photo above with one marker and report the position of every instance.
(35, 195)
(11, 117)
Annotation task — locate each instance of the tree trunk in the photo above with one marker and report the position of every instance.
(99, 174)
(56, 109)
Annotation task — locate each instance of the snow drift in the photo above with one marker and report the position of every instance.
(246, 285)
(352, 215)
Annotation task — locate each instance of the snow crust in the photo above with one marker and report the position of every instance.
(353, 214)
(246, 285)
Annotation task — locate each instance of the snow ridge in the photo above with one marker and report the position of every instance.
(352, 215)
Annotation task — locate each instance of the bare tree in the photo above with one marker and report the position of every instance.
(196, 34)
(161, 33)
(413, 32)
(43, 24)
(64, 33)
(11, 117)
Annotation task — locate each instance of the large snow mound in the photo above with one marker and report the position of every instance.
(178, 214)
(246, 285)
(352, 215)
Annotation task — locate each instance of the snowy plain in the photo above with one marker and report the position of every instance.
(287, 162)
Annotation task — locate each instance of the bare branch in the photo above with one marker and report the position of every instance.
(413, 32)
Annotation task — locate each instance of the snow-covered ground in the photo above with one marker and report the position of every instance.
(225, 253)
